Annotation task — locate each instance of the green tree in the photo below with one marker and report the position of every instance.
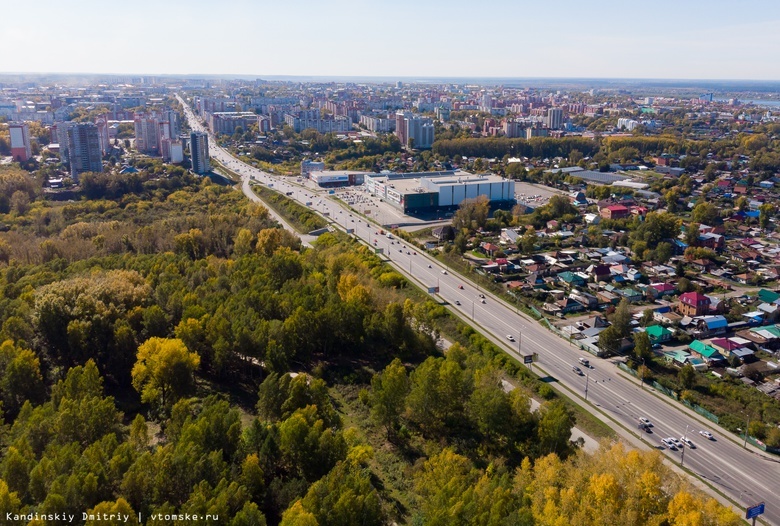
(388, 395)
(621, 320)
(663, 252)
(610, 340)
(687, 376)
(21, 378)
(766, 211)
(471, 214)
(642, 345)
(344, 496)
(705, 213)
(529, 240)
(164, 370)
(554, 428)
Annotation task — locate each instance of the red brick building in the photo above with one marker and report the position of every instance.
(693, 304)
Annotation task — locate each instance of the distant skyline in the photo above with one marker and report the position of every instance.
(499, 38)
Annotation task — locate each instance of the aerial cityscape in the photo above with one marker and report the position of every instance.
(449, 278)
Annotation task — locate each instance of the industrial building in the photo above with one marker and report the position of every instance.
(428, 191)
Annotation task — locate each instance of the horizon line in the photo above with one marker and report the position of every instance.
(244, 76)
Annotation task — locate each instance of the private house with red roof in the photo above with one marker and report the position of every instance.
(614, 212)
(693, 304)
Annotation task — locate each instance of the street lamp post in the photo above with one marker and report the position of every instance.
(682, 457)
(587, 380)
(642, 375)
(747, 427)
(472, 310)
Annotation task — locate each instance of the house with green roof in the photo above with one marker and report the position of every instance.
(706, 352)
(658, 333)
(768, 296)
(571, 279)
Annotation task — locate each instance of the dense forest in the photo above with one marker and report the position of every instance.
(167, 349)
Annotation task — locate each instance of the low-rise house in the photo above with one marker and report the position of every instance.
(632, 295)
(608, 297)
(693, 304)
(768, 296)
(708, 353)
(658, 333)
(702, 265)
(710, 325)
(599, 272)
(659, 290)
(754, 317)
(509, 236)
(588, 300)
(571, 279)
(744, 278)
(489, 248)
(614, 212)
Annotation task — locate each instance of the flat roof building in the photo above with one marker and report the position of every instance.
(20, 141)
(335, 178)
(428, 191)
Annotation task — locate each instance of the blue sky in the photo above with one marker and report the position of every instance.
(688, 39)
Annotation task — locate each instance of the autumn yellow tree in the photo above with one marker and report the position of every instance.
(164, 370)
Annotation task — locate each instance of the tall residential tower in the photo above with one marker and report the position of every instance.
(199, 152)
(84, 149)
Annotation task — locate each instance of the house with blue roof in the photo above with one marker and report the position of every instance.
(705, 326)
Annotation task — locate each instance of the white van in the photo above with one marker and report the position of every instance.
(585, 362)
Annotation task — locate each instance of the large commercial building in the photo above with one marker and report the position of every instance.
(84, 149)
(308, 167)
(336, 178)
(20, 141)
(199, 152)
(428, 191)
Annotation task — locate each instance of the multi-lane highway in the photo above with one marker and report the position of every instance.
(746, 476)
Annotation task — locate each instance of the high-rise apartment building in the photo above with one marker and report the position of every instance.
(20, 141)
(400, 125)
(102, 125)
(554, 118)
(199, 152)
(147, 133)
(414, 131)
(84, 149)
(419, 132)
